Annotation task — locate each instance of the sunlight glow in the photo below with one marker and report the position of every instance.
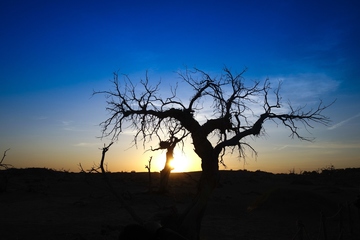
(180, 163)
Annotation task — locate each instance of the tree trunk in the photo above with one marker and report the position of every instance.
(190, 221)
(165, 173)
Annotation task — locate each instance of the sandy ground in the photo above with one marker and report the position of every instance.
(46, 204)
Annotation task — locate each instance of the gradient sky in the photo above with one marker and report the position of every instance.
(53, 54)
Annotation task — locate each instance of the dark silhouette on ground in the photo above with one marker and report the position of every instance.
(137, 231)
(46, 204)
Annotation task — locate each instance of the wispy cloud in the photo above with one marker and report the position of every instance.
(343, 122)
(320, 145)
(279, 148)
(40, 118)
(86, 144)
(308, 85)
(69, 126)
(72, 129)
(66, 123)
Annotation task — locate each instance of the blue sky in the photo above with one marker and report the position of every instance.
(53, 54)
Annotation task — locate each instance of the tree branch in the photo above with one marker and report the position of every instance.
(6, 166)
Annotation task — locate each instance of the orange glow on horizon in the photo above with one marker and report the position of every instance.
(181, 162)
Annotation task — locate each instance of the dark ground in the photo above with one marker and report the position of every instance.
(45, 204)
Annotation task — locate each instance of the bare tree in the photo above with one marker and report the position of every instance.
(215, 129)
(169, 145)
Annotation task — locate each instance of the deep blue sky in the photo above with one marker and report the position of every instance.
(54, 53)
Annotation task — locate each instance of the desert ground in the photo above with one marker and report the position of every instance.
(38, 203)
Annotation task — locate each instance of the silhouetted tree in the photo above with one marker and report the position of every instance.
(169, 145)
(220, 115)
(148, 167)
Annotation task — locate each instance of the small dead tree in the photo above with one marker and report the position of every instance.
(169, 145)
(220, 116)
(148, 167)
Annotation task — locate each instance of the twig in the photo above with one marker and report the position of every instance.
(148, 167)
(6, 166)
(4, 155)
(81, 168)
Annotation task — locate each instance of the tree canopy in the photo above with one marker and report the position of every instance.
(225, 108)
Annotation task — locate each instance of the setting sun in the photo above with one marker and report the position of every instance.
(180, 163)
